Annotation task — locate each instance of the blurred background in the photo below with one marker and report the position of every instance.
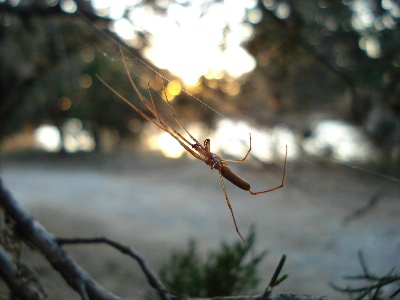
(322, 77)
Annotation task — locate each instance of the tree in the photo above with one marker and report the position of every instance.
(349, 46)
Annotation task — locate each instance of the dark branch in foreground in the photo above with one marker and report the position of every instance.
(152, 278)
(21, 287)
(35, 235)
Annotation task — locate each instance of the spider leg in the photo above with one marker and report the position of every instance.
(244, 158)
(163, 125)
(141, 97)
(152, 108)
(277, 187)
(168, 128)
(177, 119)
(130, 104)
(229, 205)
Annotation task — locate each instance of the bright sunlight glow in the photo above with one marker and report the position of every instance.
(169, 146)
(75, 138)
(342, 141)
(187, 40)
(267, 143)
(48, 138)
(229, 139)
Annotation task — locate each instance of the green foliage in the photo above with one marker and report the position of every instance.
(276, 279)
(230, 270)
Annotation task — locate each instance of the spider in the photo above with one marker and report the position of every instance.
(195, 148)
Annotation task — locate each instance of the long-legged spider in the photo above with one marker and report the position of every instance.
(199, 151)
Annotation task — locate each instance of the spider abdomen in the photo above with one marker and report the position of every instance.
(227, 173)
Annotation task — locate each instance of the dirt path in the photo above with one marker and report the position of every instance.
(155, 205)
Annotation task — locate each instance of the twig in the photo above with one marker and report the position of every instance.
(374, 286)
(153, 280)
(363, 210)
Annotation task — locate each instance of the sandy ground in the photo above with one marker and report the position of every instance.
(155, 205)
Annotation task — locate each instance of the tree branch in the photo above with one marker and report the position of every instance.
(34, 234)
(21, 287)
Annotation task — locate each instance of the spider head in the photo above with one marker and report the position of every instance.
(207, 145)
(197, 146)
